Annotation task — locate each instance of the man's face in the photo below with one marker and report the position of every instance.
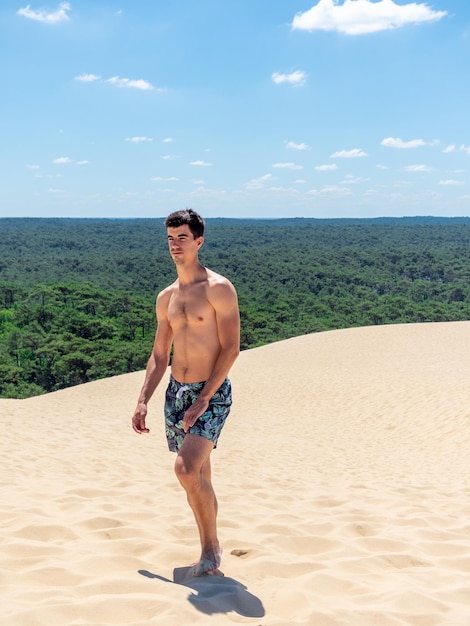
(182, 244)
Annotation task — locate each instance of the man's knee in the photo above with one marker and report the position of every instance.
(188, 474)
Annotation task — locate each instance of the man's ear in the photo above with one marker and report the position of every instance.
(200, 241)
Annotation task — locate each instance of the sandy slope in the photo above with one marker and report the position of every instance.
(343, 477)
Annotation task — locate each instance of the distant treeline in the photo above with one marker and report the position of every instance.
(77, 296)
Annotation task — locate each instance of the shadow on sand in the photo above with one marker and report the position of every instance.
(214, 594)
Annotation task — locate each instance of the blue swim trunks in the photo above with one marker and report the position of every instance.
(179, 397)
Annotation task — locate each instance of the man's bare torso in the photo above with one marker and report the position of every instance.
(193, 323)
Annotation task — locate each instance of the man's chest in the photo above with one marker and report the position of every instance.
(189, 307)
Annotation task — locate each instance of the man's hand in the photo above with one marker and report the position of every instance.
(193, 413)
(138, 419)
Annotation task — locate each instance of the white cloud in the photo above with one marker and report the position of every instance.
(168, 179)
(62, 160)
(296, 146)
(138, 139)
(167, 140)
(326, 168)
(168, 157)
(451, 148)
(130, 83)
(33, 167)
(88, 78)
(283, 190)
(297, 78)
(330, 190)
(359, 17)
(287, 166)
(258, 183)
(465, 149)
(418, 168)
(402, 183)
(200, 163)
(84, 162)
(59, 15)
(451, 182)
(215, 193)
(392, 142)
(349, 154)
(381, 167)
(349, 179)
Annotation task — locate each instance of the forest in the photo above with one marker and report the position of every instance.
(77, 296)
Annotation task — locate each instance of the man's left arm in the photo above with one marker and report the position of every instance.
(223, 298)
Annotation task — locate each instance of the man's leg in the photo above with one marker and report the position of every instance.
(207, 474)
(193, 470)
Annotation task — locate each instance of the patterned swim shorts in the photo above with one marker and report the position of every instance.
(179, 397)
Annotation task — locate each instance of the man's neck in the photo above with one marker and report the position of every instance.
(190, 274)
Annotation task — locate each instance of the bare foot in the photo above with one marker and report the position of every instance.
(205, 568)
(208, 564)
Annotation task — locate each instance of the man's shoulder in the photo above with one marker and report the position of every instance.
(166, 293)
(220, 292)
(217, 281)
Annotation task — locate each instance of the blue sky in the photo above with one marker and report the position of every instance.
(237, 108)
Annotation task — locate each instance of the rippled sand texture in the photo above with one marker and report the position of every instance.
(343, 479)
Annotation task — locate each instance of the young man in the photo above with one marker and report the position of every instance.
(197, 315)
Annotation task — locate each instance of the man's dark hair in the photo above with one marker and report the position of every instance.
(189, 217)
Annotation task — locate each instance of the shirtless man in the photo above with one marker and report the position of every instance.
(197, 315)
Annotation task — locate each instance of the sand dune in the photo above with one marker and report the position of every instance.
(343, 478)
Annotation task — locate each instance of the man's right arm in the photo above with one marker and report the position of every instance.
(157, 363)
